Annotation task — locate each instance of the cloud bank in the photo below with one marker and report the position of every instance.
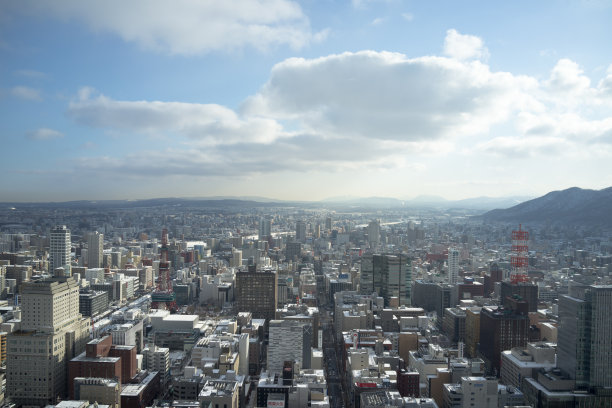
(188, 27)
(367, 109)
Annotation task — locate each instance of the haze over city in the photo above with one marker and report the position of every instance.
(303, 100)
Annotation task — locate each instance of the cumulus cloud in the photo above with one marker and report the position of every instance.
(207, 123)
(44, 134)
(367, 108)
(189, 27)
(464, 47)
(26, 93)
(389, 96)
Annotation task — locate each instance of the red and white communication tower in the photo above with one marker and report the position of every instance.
(163, 297)
(519, 259)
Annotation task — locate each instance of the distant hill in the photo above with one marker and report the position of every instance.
(574, 206)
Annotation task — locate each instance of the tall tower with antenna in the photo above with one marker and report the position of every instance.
(163, 297)
(518, 259)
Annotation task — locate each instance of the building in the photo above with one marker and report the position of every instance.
(157, 359)
(92, 302)
(257, 292)
(472, 330)
(142, 393)
(388, 275)
(525, 290)
(99, 390)
(95, 248)
(502, 329)
(59, 249)
(585, 336)
(265, 228)
(520, 363)
(453, 324)
(52, 332)
(453, 266)
(289, 340)
(374, 233)
(219, 393)
(300, 231)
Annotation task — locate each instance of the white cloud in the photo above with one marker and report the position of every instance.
(408, 16)
(30, 73)
(377, 21)
(365, 110)
(26, 93)
(44, 134)
(464, 47)
(568, 77)
(189, 27)
(389, 96)
(206, 123)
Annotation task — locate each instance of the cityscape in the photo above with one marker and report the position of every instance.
(295, 203)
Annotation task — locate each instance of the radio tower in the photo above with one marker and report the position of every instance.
(164, 297)
(518, 258)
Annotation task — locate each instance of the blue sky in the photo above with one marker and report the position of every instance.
(303, 100)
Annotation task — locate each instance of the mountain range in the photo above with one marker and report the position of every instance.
(573, 206)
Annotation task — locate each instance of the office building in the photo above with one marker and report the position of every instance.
(300, 231)
(92, 303)
(95, 248)
(289, 341)
(585, 336)
(502, 329)
(265, 228)
(525, 290)
(257, 292)
(374, 233)
(59, 249)
(387, 275)
(52, 332)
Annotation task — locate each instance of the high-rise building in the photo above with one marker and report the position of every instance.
(453, 266)
(59, 249)
(585, 336)
(502, 329)
(257, 292)
(388, 275)
(525, 290)
(95, 248)
(52, 332)
(374, 233)
(265, 228)
(290, 340)
(300, 231)
(328, 223)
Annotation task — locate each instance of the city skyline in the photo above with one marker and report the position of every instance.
(303, 100)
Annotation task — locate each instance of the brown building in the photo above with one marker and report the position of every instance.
(502, 329)
(102, 359)
(142, 391)
(495, 275)
(408, 383)
(527, 292)
(256, 292)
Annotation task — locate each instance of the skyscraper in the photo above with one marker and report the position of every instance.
(453, 265)
(300, 231)
(59, 248)
(52, 332)
(585, 336)
(374, 233)
(95, 247)
(265, 228)
(388, 275)
(289, 341)
(257, 292)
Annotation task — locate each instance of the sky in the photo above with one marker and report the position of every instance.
(303, 100)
